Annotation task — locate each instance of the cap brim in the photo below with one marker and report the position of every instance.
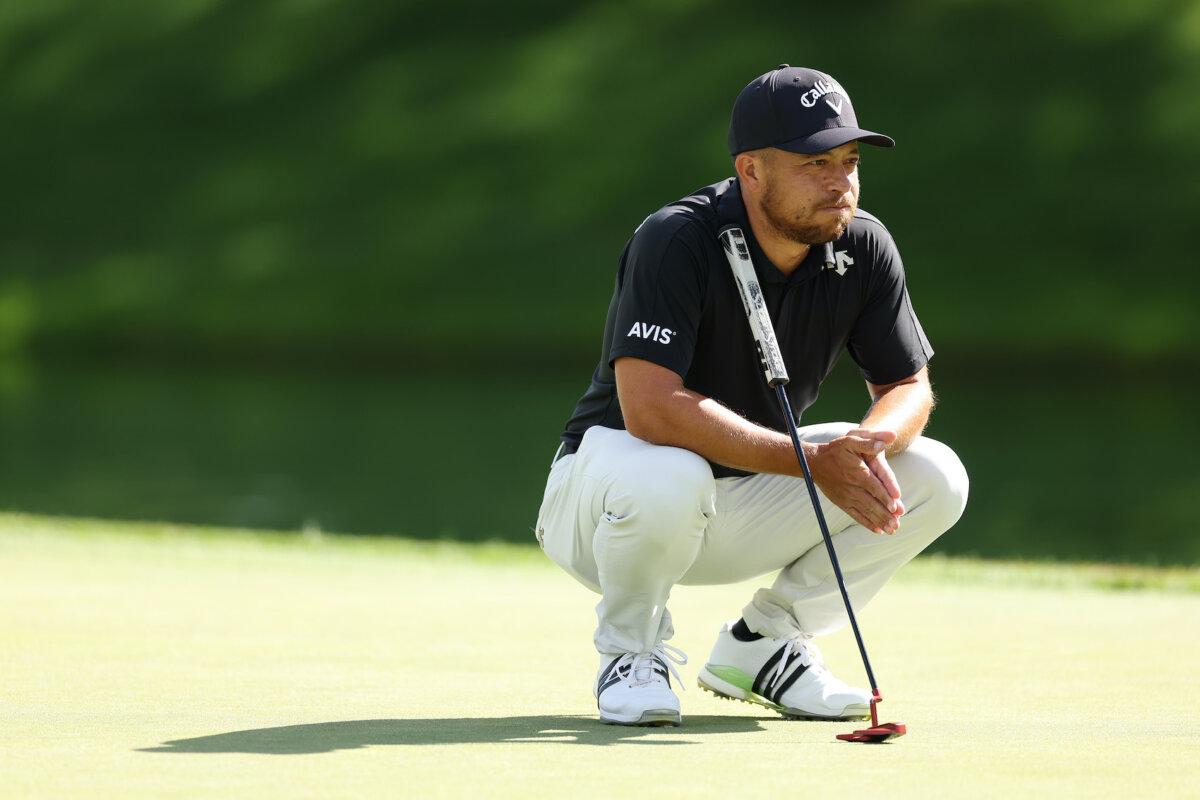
(829, 138)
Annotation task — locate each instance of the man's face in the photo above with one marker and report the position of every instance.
(810, 199)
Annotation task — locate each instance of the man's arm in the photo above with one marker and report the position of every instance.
(659, 409)
(902, 407)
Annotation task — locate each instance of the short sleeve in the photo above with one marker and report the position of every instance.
(887, 341)
(660, 296)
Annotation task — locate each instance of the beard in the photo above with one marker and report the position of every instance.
(801, 226)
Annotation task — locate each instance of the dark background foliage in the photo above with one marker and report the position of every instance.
(320, 195)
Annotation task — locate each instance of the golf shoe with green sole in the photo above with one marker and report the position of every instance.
(784, 675)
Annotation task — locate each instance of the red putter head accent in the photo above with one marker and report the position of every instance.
(877, 733)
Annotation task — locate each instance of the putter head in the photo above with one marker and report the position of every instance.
(875, 734)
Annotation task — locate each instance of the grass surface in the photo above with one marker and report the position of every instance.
(168, 662)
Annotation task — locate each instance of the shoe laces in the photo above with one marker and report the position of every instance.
(799, 648)
(637, 669)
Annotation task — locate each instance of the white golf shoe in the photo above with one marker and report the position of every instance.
(635, 688)
(786, 675)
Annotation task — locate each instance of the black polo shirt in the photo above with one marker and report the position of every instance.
(676, 304)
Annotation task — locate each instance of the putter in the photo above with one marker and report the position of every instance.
(738, 254)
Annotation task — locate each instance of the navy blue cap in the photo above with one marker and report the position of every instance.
(796, 109)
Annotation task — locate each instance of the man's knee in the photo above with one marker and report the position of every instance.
(665, 488)
(936, 479)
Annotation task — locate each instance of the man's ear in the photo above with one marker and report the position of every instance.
(750, 168)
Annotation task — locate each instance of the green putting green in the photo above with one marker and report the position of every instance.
(161, 661)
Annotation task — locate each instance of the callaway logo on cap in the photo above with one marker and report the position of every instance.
(796, 109)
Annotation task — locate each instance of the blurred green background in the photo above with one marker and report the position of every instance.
(345, 265)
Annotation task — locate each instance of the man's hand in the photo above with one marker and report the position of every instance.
(853, 472)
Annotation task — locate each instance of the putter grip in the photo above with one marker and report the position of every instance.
(744, 276)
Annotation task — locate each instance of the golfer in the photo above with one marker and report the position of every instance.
(674, 467)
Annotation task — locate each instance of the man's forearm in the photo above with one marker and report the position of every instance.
(700, 424)
(903, 409)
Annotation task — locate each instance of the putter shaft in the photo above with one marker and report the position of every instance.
(781, 395)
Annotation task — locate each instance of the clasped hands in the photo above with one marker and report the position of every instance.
(853, 472)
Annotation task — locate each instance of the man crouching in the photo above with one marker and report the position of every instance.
(674, 467)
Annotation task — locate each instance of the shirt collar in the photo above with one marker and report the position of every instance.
(732, 211)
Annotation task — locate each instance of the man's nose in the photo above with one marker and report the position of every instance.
(839, 180)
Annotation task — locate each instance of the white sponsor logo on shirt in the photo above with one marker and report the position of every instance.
(842, 261)
(655, 333)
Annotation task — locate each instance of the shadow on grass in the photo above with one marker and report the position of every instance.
(325, 737)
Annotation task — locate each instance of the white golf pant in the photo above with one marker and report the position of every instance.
(629, 520)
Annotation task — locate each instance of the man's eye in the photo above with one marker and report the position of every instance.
(817, 162)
